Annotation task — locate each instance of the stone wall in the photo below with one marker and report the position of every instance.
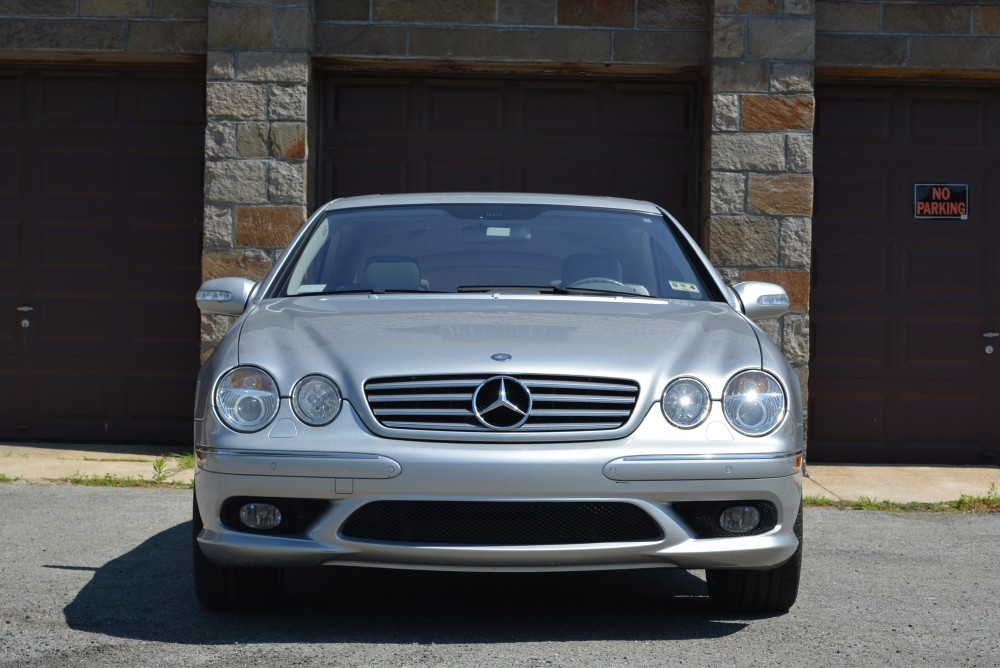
(256, 139)
(757, 183)
(50, 28)
(946, 37)
(661, 32)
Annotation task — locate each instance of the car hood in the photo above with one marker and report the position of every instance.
(353, 338)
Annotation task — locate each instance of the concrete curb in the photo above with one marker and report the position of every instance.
(40, 462)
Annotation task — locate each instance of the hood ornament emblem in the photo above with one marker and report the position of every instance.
(500, 357)
(501, 403)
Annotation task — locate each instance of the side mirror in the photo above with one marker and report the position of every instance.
(224, 296)
(762, 300)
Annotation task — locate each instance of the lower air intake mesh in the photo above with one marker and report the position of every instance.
(501, 523)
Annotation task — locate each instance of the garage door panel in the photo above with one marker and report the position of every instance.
(359, 172)
(104, 232)
(847, 269)
(83, 98)
(851, 343)
(950, 121)
(852, 416)
(464, 109)
(637, 178)
(76, 174)
(458, 173)
(575, 177)
(646, 114)
(852, 196)
(369, 106)
(934, 281)
(562, 112)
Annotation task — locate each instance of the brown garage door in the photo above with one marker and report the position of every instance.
(904, 367)
(400, 134)
(100, 241)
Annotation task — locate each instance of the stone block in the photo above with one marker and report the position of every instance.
(273, 66)
(792, 78)
(286, 182)
(795, 338)
(287, 102)
(220, 140)
(167, 37)
(214, 327)
(747, 152)
(527, 12)
(434, 11)
(782, 39)
(795, 242)
(987, 21)
(673, 14)
(969, 53)
(596, 13)
(780, 194)
(343, 10)
(726, 113)
(799, 152)
(218, 227)
(729, 37)
(747, 6)
(241, 101)
(727, 192)
(743, 241)
(240, 27)
(771, 327)
(130, 9)
(288, 141)
(739, 77)
(848, 17)
(235, 182)
(927, 18)
(510, 44)
(249, 263)
(180, 9)
(360, 40)
(294, 29)
(794, 281)
(62, 35)
(764, 113)
(798, 7)
(268, 226)
(253, 140)
(834, 50)
(676, 48)
(221, 66)
(38, 8)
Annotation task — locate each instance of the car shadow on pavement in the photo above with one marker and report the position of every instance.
(148, 594)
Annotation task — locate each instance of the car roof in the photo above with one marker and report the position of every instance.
(616, 203)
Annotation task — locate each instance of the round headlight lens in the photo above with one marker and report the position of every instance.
(685, 403)
(246, 398)
(316, 400)
(754, 402)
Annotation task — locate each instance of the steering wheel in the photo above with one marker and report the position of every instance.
(598, 279)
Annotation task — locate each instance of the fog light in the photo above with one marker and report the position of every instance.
(260, 515)
(739, 519)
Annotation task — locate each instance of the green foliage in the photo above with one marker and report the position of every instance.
(989, 503)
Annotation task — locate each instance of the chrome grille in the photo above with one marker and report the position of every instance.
(444, 403)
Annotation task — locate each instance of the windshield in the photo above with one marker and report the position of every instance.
(481, 247)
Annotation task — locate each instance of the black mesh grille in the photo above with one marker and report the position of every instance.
(501, 523)
(703, 517)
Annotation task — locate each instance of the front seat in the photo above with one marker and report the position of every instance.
(590, 265)
(392, 272)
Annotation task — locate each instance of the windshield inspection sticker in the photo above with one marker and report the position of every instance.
(681, 286)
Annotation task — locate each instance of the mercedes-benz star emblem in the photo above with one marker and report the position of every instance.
(501, 403)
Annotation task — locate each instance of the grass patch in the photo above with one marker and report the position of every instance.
(988, 503)
(127, 460)
(6, 478)
(183, 462)
(112, 480)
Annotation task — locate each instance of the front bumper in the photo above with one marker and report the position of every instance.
(646, 470)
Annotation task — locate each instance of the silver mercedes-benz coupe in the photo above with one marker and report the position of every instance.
(496, 382)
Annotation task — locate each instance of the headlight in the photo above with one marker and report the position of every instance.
(316, 400)
(685, 403)
(754, 402)
(246, 398)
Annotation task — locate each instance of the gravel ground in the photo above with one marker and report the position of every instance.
(102, 577)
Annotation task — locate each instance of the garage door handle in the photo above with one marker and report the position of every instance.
(991, 335)
(25, 309)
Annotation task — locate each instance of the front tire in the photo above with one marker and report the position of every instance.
(768, 591)
(231, 587)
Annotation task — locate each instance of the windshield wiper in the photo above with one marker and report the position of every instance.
(543, 289)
